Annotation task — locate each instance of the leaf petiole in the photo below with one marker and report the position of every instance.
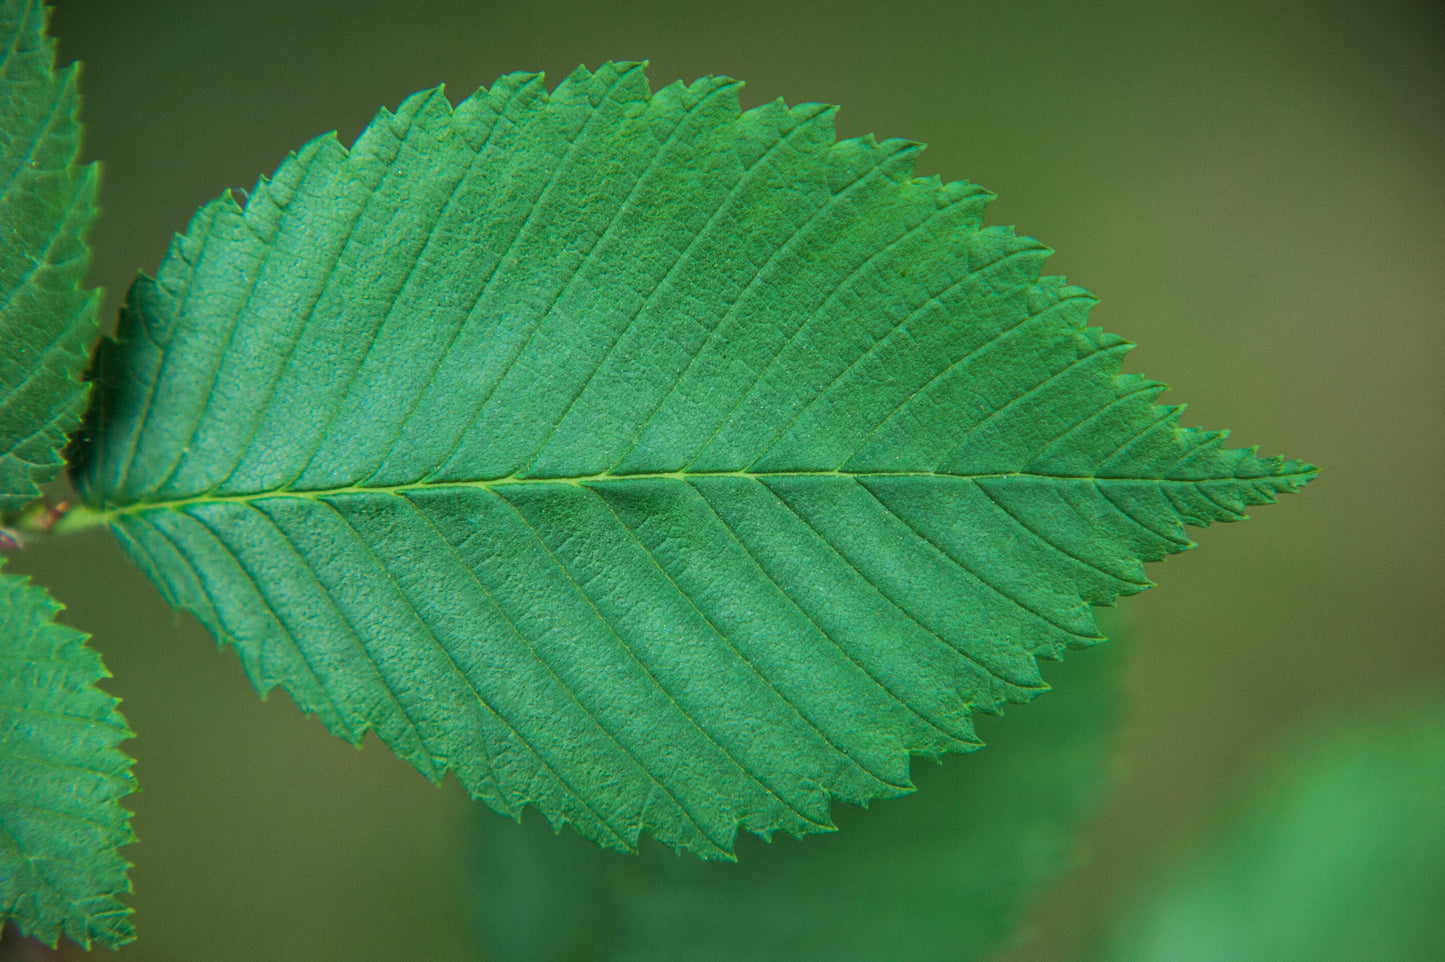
(40, 517)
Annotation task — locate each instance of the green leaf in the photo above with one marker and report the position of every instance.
(46, 205)
(1343, 857)
(941, 875)
(669, 468)
(61, 779)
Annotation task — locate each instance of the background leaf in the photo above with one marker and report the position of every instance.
(1340, 857)
(697, 476)
(61, 779)
(47, 203)
(939, 876)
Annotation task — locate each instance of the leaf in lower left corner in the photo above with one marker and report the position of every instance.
(61, 779)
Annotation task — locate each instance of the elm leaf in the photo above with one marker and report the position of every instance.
(61, 779)
(47, 203)
(668, 467)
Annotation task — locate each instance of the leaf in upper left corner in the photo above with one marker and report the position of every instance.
(61, 779)
(47, 203)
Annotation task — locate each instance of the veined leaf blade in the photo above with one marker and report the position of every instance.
(672, 468)
(61, 822)
(47, 203)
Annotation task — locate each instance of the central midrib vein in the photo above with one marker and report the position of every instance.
(315, 494)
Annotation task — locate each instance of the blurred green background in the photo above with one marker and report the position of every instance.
(1256, 192)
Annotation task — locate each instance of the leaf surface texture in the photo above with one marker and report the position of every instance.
(46, 204)
(61, 779)
(671, 468)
